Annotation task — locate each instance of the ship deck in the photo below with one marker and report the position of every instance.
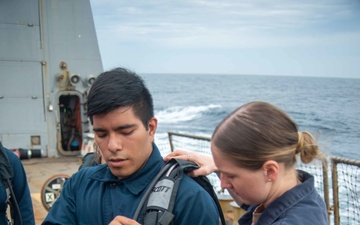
(39, 170)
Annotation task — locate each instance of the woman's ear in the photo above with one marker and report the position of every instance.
(271, 170)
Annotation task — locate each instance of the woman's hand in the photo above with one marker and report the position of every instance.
(205, 162)
(122, 220)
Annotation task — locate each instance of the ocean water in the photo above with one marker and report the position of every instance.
(196, 103)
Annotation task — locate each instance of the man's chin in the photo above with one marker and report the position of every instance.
(120, 173)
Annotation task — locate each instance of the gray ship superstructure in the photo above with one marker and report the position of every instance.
(49, 57)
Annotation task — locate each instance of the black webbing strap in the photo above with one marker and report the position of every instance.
(159, 199)
(6, 174)
(141, 207)
(204, 182)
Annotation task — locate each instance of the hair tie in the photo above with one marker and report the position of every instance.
(299, 143)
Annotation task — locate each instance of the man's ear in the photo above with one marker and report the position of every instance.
(271, 170)
(152, 126)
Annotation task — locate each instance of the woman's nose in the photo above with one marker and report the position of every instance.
(224, 183)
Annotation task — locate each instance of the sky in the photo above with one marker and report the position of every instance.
(262, 37)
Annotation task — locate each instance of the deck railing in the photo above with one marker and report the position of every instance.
(346, 190)
(343, 202)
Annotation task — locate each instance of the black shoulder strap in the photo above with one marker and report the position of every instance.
(88, 160)
(204, 182)
(159, 199)
(6, 175)
(6, 171)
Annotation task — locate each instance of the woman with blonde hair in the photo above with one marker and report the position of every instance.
(254, 152)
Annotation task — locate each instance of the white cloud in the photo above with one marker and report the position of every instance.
(214, 25)
(167, 19)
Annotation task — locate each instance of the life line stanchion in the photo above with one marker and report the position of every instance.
(51, 189)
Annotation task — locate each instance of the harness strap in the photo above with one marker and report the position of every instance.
(158, 201)
(158, 218)
(140, 209)
(6, 175)
(161, 201)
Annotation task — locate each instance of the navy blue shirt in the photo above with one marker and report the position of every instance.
(301, 205)
(21, 191)
(94, 195)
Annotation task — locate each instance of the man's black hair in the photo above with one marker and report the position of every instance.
(120, 87)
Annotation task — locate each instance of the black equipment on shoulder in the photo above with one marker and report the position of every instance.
(158, 201)
(6, 175)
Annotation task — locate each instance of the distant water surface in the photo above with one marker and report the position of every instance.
(196, 103)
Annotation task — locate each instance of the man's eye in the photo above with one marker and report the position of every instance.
(101, 135)
(127, 132)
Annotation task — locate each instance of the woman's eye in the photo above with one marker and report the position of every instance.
(230, 176)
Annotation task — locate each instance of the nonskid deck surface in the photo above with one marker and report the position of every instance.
(39, 170)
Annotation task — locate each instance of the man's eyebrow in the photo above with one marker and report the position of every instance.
(126, 126)
(122, 127)
(99, 130)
